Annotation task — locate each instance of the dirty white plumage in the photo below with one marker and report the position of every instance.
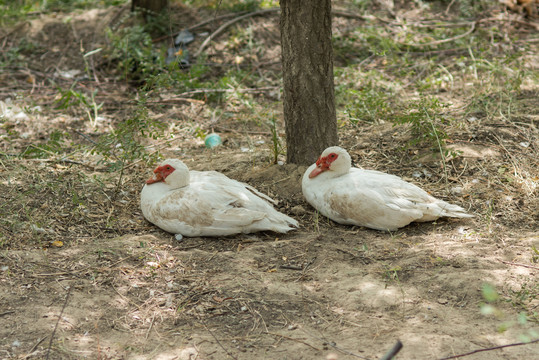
(369, 198)
(207, 203)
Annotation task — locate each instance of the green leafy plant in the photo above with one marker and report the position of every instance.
(391, 274)
(54, 146)
(524, 297)
(368, 104)
(535, 255)
(132, 51)
(424, 117)
(522, 319)
(498, 90)
(70, 97)
(124, 145)
(276, 145)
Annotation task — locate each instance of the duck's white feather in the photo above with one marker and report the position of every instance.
(211, 205)
(372, 198)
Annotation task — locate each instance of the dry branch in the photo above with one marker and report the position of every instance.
(57, 322)
(227, 24)
(264, 12)
(523, 265)
(438, 42)
(294, 339)
(393, 351)
(489, 349)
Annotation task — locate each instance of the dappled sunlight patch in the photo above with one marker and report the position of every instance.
(137, 292)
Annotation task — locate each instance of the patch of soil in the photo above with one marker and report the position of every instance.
(83, 275)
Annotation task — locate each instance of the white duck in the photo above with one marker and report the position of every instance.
(207, 203)
(368, 198)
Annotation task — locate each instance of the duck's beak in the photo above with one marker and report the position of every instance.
(316, 171)
(322, 164)
(157, 178)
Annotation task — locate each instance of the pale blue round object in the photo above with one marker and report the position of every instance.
(212, 140)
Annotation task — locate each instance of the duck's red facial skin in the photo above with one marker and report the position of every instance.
(323, 164)
(161, 172)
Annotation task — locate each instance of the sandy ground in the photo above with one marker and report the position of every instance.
(83, 275)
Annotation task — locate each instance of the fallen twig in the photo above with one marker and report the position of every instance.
(31, 352)
(57, 322)
(200, 24)
(291, 267)
(264, 12)
(218, 342)
(177, 99)
(523, 265)
(225, 129)
(294, 339)
(231, 22)
(150, 328)
(333, 345)
(394, 350)
(438, 42)
(489, 349)
(530, 24)
(247, 90)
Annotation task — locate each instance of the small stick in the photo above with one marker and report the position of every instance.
(293, 339)
(438, 42)
(200, 24)
(218, 342)
(247, 90)
(333, 345)
(57, 322)
(291, 267)
(227, 24)
(489, 349)
(34, 347)
(394, 350)
(523, 265)
(150, 328)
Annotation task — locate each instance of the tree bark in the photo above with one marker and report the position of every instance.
(307, 60)
(154, 6)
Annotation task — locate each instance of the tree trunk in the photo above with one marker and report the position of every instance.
(154, 6)
(309, 99)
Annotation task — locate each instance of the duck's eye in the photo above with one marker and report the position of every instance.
(168, 167)
(332, 156)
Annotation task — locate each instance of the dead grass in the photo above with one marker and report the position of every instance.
(70, 229)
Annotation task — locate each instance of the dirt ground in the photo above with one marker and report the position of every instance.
(83, 275)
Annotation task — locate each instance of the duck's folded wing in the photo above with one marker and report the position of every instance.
(219, 179)
(205, 209)
(379, 208)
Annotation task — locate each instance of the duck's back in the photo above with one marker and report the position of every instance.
(211, 205)
(374, 199)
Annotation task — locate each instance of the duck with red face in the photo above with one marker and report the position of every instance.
(369, 198)
(161, 173)
(207, 203)
(323, 164)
